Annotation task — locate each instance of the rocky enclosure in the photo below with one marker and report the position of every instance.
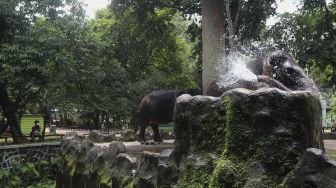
(241, 139)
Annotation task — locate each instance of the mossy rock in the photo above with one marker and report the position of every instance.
(268, 127)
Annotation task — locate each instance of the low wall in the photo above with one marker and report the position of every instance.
(27, 153)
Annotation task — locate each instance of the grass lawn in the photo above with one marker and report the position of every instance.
(331, 153)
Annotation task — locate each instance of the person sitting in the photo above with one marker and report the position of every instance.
(5, 128)
(36, 129)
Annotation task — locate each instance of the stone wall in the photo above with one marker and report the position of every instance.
(27, 153)
(82, 164)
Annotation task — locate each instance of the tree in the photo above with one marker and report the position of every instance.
(213, 36)
(30, 44)
(150, 49)
(225, 25)
(248, 18)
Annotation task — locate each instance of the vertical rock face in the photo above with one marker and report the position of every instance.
(245, 138)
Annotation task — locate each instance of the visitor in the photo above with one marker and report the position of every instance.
(103, 126)
(36, 129)
(5, 127)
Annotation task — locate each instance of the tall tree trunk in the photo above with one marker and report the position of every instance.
(232, 45)
(213, 33)
(10, 112)
(95, 117)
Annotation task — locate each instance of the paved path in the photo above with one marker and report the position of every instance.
(64, 131)
(137, 147)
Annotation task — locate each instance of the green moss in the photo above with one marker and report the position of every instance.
(70, 162)
(198, 172)
(213, 124)
(228, 174)
(238, 135)
(105, 178)
(131, 184)
(247, 141)
(195, 178)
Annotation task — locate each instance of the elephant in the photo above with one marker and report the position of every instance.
(282, 67)
(278, 69)
(157, 108)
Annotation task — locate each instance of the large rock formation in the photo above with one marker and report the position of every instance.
(251, 139)
(245, 138)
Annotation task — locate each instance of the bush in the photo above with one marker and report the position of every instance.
(41, 174)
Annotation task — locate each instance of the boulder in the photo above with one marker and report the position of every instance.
(98, 136)
(167, 169)
(147, 170)
(123, 170)
(127, 135)
(114, 149)
(315, 170)
(270, 127)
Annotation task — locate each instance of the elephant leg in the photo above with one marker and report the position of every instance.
(142, 133)
(157, 136)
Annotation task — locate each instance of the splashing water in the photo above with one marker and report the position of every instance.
(237, 70)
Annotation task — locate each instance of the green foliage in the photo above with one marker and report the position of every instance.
(51, 57)
(41, 174)
(310, 36)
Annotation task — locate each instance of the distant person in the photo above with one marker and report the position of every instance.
(5, 127)
(103, 126)
(36, 129)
